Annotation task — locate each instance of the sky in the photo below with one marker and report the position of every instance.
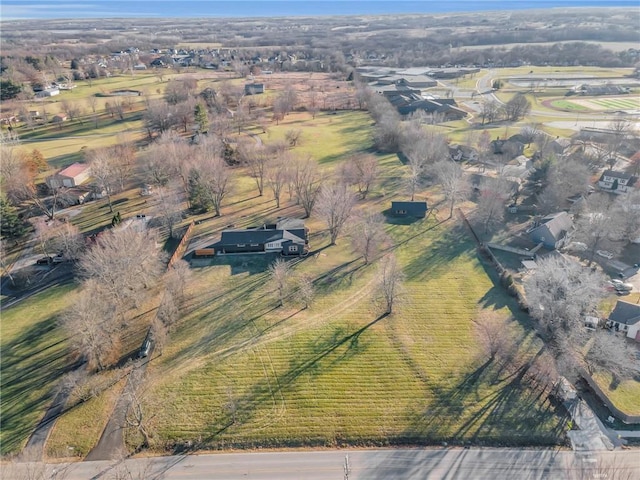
(49, 9)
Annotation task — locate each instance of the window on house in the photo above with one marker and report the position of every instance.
(241, 245)
(401, 212)
(293, 248)
(255, 244)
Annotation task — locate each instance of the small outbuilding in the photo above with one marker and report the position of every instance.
(409, 209)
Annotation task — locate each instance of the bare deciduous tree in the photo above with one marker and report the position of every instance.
(390, 280)
(277, 176)
(104, 171)
(518, 107)
(168, 207)
(367, 235)
(626, 216)
(611, 353)
(361, 170)
(293, 136)
(305, 291)
(306, 180)
(559, 293)
(494, 333)
(124, 262)
(334, 207)
(491, 202)
(565, 179)
(256, 159)
(594, 223)
(91, 323)
(454, 183)
(280, 274)
(214, 178)
(176, 280)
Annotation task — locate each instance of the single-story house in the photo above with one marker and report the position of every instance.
(59, 118)
(48, 92)
(617, 182)
(625, 317)
(513, 147)
(72, 176)
(409, 209)
(552, 230)
(447, 107)
(288, 236)
(254, 88)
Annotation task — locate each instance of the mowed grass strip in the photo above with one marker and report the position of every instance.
(241, 373)
(624, 395)
(34, 356)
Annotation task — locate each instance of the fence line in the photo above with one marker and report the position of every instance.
(628, 419)
(182, 246)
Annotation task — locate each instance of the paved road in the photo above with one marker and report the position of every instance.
(405, 464)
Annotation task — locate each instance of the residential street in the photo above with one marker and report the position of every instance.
(422, 464)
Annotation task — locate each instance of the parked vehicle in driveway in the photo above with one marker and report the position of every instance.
(605, 254)
(44, 261)
(621, 286)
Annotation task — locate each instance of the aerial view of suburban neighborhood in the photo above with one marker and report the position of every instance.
(320, 240)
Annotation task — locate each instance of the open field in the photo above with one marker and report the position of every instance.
(34, 357)
(599, 104)
(338, 373)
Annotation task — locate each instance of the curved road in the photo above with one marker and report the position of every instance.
(405, 464)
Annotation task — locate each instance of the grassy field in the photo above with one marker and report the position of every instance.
(242, 373)
(329, 137)
(34, 357)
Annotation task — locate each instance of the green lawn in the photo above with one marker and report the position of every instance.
(329, 137)
(624, 396)
(34, 357)
(338, 373)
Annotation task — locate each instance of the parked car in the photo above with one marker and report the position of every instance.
(605, 254)
(44, 261)
(577, 247)
(621, 286)
(145, 349)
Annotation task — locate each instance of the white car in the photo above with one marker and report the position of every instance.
(605, 254)
(621, 286)
(577, 247)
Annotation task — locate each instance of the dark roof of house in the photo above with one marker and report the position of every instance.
(616, 174)
(289, 228)
(557, 223)
(625, 313)
(411, 207)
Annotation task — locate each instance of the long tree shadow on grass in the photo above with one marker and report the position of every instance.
(319, 357)
(31, 364)
(470, 411)
(437, 256)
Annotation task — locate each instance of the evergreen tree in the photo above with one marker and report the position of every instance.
(11, 225)
(201, 117)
